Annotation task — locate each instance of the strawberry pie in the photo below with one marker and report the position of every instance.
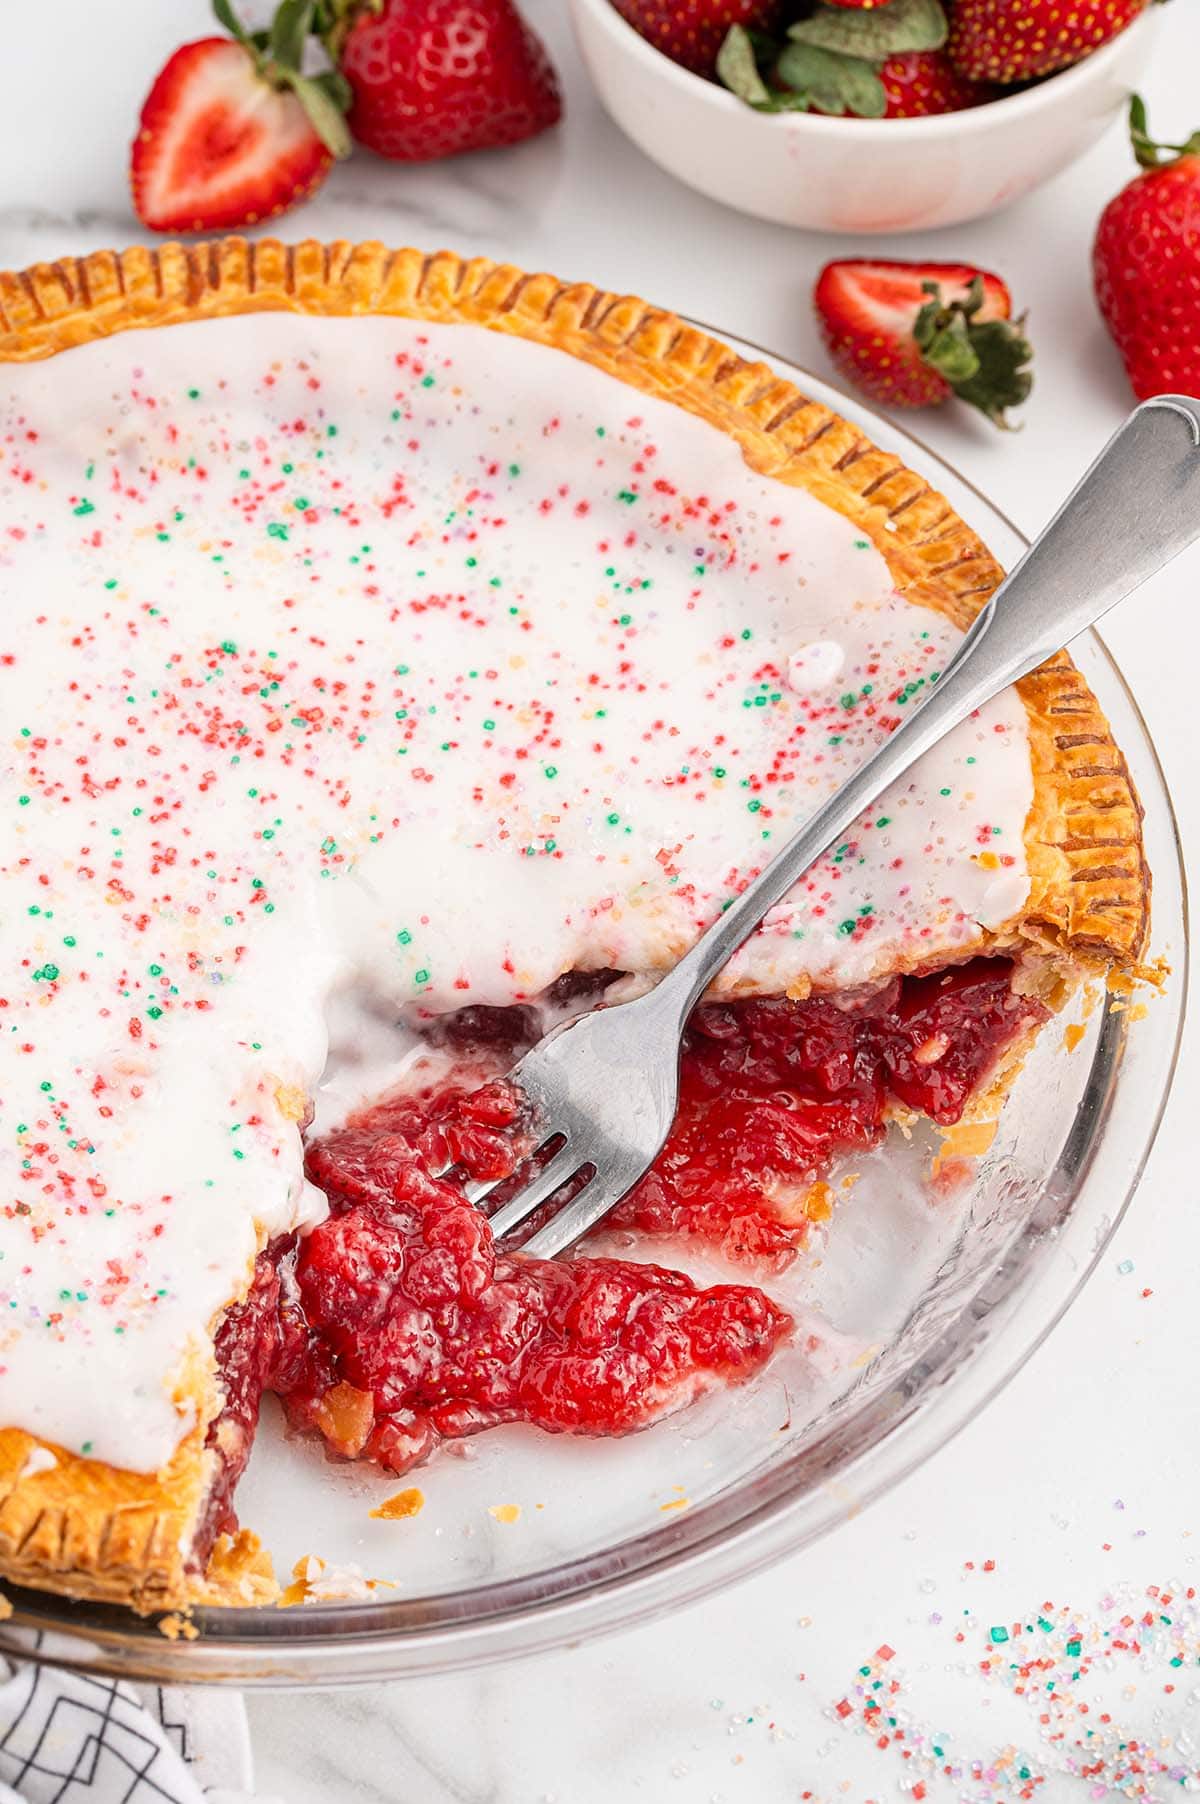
(400, 652)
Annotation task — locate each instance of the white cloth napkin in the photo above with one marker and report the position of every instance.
(66, 1738)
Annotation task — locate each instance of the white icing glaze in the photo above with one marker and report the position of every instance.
(815, 666)
(37, 1460)
(367, 657)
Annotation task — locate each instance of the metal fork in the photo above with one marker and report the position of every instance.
(604, 1087)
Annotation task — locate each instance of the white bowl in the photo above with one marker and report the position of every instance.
(854, 175)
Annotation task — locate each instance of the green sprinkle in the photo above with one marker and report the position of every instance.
(404, 937)
(421, 976)
(998, 1635)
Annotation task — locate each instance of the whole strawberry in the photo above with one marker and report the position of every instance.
(926, 81)
(1017, 40)
(691, 32)
(232, 132)
(913, 334)
(1146, 265)
(431, 78)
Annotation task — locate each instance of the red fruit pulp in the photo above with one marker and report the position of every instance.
(397, 1323)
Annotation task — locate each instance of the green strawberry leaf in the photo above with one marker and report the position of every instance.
(337, 88)
(948, 348)
(334, 19)
(325, 115)
(1003, 378)
(737, 67)
(226, 17)
(289, 32)
(875, 32)
(986, 362)
(1150, 153)
(832, 83)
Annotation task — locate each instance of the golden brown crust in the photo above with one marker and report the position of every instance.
(83, 1527)
(89, 1530)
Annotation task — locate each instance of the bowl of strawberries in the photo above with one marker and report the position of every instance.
(865, 115)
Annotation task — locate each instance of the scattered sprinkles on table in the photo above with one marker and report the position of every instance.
(1104, 1696)
(403, 661)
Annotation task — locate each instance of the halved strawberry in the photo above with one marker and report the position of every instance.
(912, 334)
(232, 131)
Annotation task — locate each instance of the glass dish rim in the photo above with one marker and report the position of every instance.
(715, 1543)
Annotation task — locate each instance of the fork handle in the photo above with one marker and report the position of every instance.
(1135, 509)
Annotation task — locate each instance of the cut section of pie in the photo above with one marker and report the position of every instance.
(395, 649)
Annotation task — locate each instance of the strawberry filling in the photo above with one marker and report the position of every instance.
(397, 1323)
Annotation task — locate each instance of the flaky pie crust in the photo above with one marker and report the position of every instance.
(87, 1529)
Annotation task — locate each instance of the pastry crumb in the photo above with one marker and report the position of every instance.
(239, 1571)
(315, 1581)
(177, 1627)
(6, 1608)
(291, 1102)
(404, 1503)
(1073, 1034)
(1124, 982)
(818, 1204)
(967, 1140)
(504, 1512)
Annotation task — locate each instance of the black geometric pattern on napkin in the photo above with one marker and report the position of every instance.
(80, 1740)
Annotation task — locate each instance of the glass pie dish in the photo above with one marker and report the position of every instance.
(937, 1277)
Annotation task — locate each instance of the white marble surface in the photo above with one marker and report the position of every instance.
(1085, 1475)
